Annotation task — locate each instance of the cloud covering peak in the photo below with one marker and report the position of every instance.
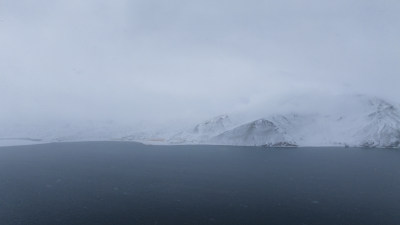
(158, 61)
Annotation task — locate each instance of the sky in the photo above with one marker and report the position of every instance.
(173, 61)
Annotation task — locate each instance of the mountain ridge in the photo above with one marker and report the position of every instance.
(372, 123)
(358, 121)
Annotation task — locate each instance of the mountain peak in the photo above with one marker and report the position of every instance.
(216, 124)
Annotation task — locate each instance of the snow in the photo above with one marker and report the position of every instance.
(353, 121)
(203, 132)
(17, 142)
(256, 133)
(356, 121)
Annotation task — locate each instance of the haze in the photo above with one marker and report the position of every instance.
(161, 61)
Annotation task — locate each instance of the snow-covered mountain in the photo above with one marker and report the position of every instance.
(381, 126)
(202, 132)
(256, 133)
(352, 121)
(357, 121)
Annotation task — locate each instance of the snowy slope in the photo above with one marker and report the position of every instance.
(352, 121)
(380, 126)
(256, 133)
(203, 132)
(51, 131)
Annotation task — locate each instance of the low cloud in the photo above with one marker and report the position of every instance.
(161, 61)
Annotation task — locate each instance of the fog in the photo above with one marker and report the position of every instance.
(162, 61)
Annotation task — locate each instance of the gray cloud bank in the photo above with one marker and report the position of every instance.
(160, 61)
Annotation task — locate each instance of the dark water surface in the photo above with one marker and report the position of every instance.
(127, 183)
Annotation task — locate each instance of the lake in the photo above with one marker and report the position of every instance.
(115, 183)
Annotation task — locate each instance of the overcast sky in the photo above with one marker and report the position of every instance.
(165, 60)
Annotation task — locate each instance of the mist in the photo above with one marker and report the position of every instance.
(160, 62)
